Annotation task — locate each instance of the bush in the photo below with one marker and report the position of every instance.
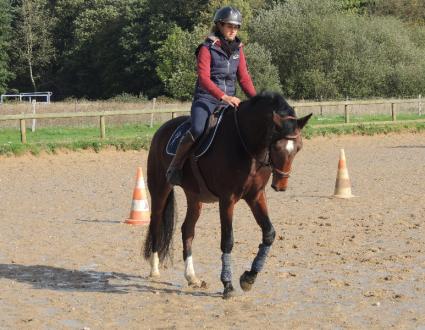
(323, 51)
(177, 68)
(264, 73)
(128, 98)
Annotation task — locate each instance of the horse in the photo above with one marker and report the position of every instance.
(258, 139)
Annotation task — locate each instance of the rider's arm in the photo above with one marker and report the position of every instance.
(244, 77)
(204, 73)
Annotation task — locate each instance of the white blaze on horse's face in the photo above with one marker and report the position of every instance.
(282, 155)
(290, 146)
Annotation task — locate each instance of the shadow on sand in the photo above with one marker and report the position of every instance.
(54, 278)
(408, 147)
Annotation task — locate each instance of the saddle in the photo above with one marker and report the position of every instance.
(201, 148)
(205, 141)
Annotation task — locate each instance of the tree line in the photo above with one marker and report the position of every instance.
(309, 49)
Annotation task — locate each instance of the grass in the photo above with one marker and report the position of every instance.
(126, 137)
(136, 137)
(318, 120)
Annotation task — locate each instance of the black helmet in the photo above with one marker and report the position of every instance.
(228, 15)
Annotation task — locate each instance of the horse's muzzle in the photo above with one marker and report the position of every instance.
(276, 188)
(280, 182)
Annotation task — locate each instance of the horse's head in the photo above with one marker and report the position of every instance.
(274, 134)
(285, 144)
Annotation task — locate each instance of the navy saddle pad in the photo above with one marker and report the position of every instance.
(204, 143)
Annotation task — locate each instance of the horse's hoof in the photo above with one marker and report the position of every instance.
(154, 275)
(229, 292)
(198, 284)
(246, 280)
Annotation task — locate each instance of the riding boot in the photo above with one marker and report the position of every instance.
(174, 172)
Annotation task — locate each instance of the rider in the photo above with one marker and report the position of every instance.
(220, 62)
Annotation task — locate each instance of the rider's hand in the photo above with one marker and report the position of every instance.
(231, 100)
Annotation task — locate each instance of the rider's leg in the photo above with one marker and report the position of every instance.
(199, 112)
(174, 171)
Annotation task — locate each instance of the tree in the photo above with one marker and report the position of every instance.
(177, 61)
(264, 73)
(92, 62)
(356, 6)
(321, 50)
(5, 33)
(408, 10)
(33, 39)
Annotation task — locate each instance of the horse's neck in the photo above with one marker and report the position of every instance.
(255, 130)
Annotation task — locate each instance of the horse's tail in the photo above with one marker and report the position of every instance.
(165, 230)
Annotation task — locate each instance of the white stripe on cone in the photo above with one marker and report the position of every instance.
(140, 184)
(140, 205)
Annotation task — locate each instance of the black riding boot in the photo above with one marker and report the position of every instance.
(174, 172)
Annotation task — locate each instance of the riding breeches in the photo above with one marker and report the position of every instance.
(199, 113)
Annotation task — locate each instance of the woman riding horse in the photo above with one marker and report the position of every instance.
(220, 62)
(256, 138)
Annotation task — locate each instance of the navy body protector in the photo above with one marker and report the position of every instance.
(223, 70)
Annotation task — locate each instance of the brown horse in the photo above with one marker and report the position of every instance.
(259, 138)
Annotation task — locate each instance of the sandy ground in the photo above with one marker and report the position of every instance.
(68, 262)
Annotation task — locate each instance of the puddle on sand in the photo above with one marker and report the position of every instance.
(74, 324)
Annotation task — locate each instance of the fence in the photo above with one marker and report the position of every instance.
(30, 96)
(392, 104)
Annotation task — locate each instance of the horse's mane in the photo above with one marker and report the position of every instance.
(273, 101)
(265, 104)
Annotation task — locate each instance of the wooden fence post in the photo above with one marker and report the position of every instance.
(23, 131)
(153, 109)
(102, 127)
(346, 113)
(393, 112)
(173, 115)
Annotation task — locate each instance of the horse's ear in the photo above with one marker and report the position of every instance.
(303, 121)
(277, 119)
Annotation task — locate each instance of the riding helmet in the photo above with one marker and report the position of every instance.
(228, 15)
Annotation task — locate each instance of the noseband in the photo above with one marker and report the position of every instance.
(267, 158)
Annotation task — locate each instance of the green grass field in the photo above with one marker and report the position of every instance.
(136, 137)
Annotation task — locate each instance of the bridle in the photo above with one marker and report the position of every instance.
(267, 162)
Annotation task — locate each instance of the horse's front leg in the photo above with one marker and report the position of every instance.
(226, 219)
(258, 207)
(188, 233)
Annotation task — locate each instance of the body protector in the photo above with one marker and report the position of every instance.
(224, 69)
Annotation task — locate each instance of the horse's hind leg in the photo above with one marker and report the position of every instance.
(159, 200)
(188, 233)
(259, 209)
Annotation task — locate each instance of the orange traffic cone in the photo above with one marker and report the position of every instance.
(342, 184)
(139, 214)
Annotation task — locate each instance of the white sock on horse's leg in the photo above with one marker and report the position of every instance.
(189, 272)
(154, 261)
